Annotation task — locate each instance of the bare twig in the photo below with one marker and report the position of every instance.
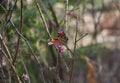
(9, 73)
(3, 77)
(43, 19)
(25, 69)
(12, 67)
(70, 79)
(20, 30)
(31, 50)
(54, 15)
(5, 47)
(82, 37)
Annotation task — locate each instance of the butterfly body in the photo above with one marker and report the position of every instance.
(61, 39)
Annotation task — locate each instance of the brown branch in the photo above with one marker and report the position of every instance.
(5, 47)
(54, 15)
(82, 37)
(43, 19)
(20, 30)
(12, 67)
(2, 76)
(31, 50)
(70, 79)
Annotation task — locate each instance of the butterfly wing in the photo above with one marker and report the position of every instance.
(62, 37)
(53, 42)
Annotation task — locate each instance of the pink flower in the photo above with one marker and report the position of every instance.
(71, 13)
(61, 50)
(57, 45)
(25, 76)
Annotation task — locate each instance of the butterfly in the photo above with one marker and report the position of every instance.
(61, 39)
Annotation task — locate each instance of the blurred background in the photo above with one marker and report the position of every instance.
(98, 27)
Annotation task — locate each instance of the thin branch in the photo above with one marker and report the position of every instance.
(2, 71)
(12, 67)
(5, 47)
(10, 12)
(25, 69)
(9, 73)
(31, 50)
(53, 13)
(70, 79)
(43, 19)
(44, 9)
(82, 37)
(20, 30)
